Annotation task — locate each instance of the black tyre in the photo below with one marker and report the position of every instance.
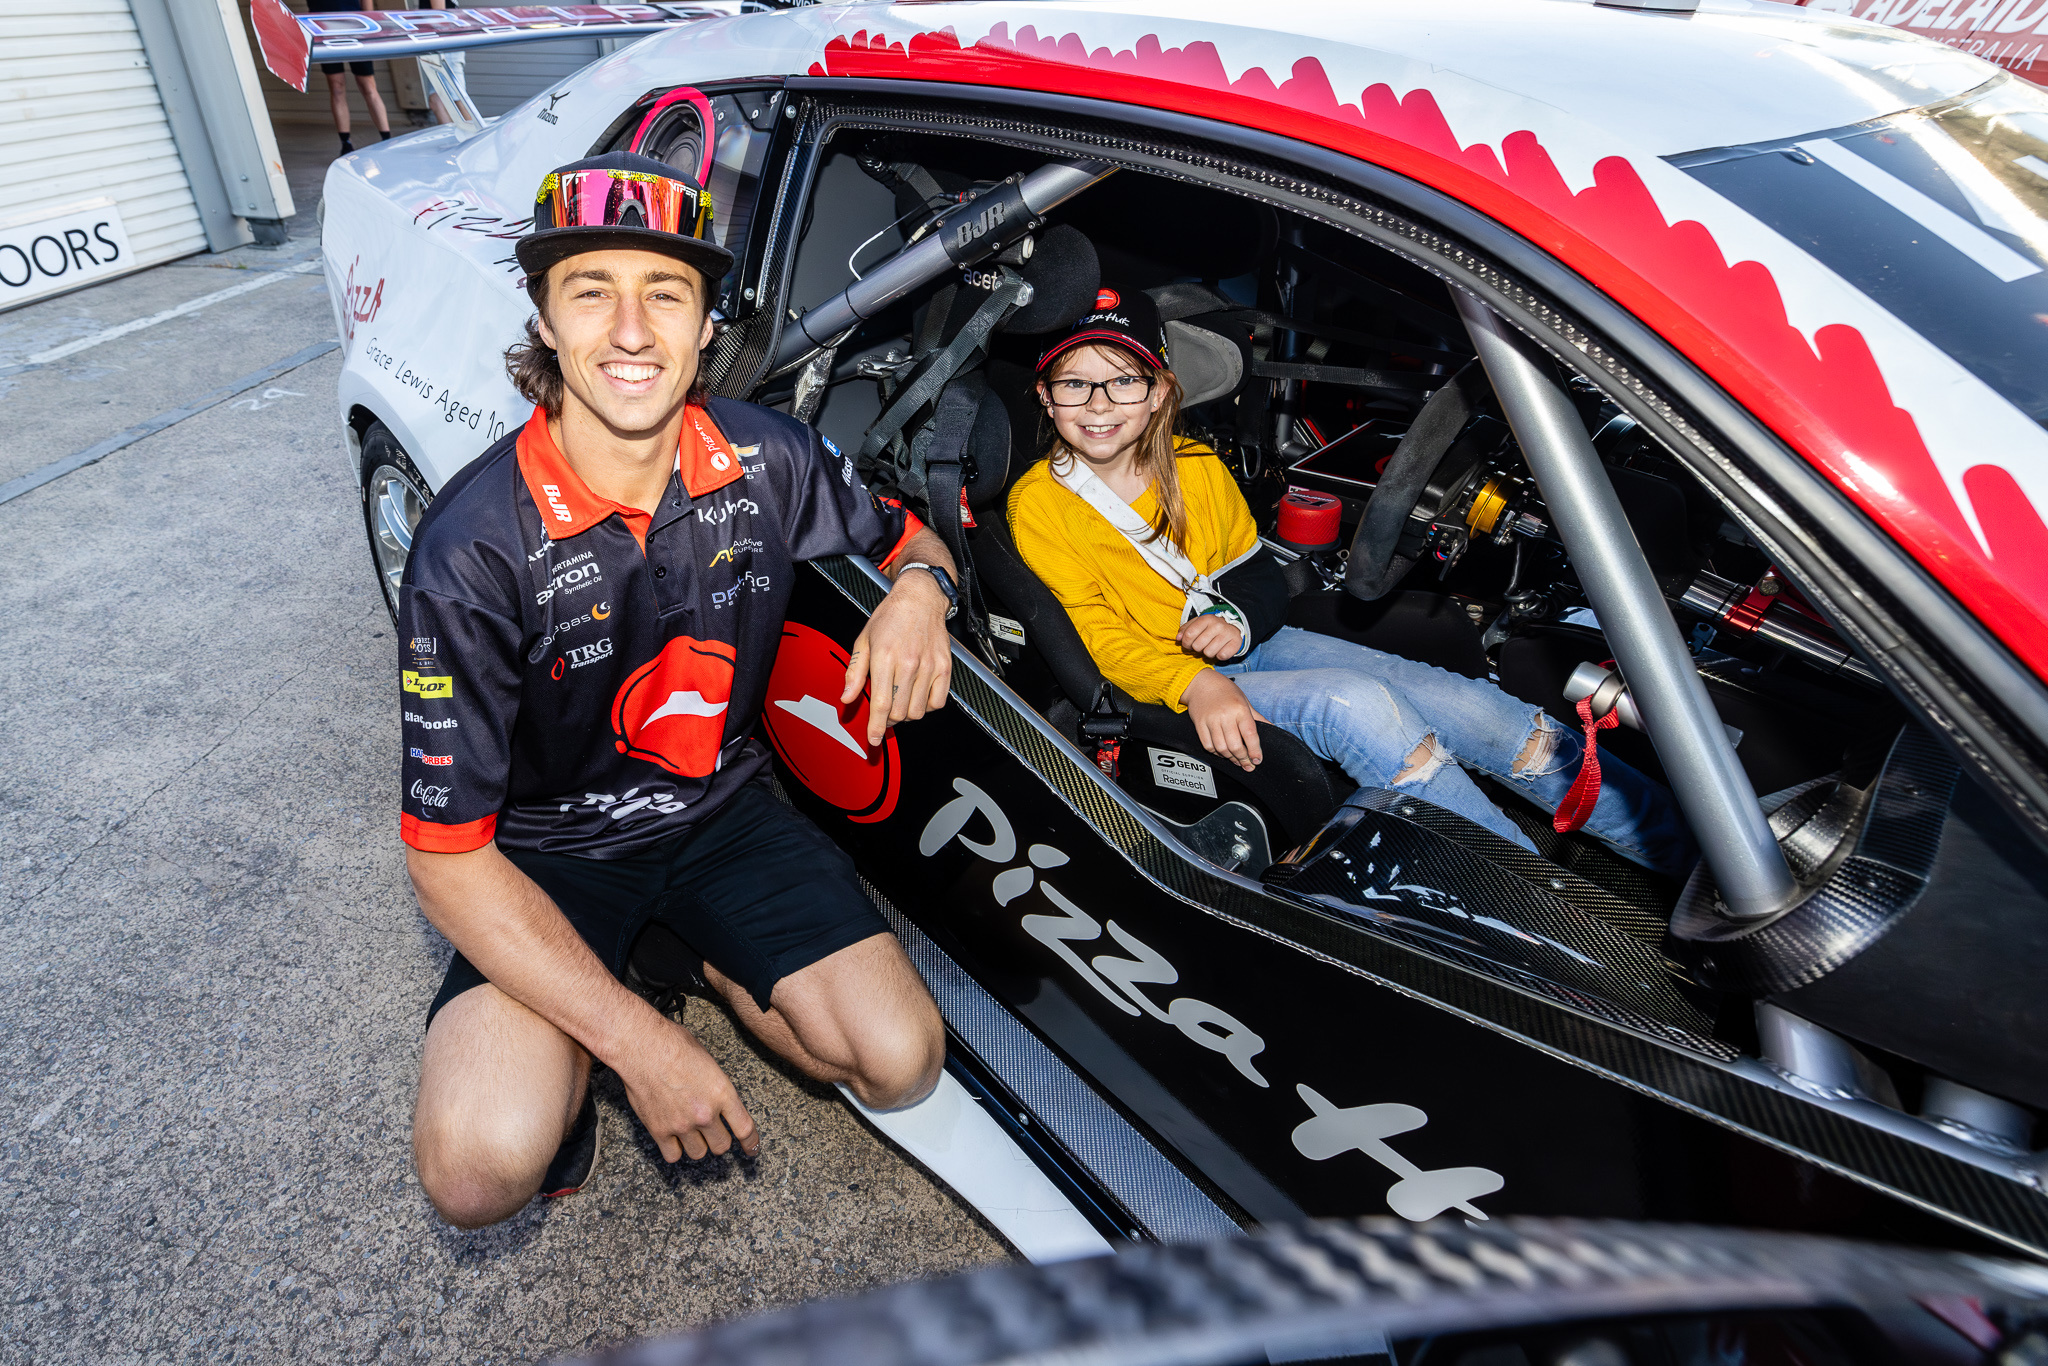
(395, 496)
(1526, 1292)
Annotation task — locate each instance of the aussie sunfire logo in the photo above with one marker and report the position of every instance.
(1130, 980)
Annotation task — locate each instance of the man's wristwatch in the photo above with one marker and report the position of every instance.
(945, 585)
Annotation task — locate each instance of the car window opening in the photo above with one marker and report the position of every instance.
(1336, 345)
(1307, 355)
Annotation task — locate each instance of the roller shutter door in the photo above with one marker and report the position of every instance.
(80, 118)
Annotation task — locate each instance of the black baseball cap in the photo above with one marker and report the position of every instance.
(1123, 317)
(622, 201)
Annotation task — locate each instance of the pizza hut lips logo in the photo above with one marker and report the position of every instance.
(823, 743)
(1107, 299)
(671, 710)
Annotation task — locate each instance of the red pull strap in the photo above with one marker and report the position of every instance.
(1578, 803)
(1109, 757)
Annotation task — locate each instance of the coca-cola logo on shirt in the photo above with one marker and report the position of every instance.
(671, 710)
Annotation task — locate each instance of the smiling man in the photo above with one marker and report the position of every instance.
(588, 618)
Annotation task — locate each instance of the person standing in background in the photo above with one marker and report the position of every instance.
(364, 72)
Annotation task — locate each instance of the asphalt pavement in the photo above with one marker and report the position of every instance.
(214, 973)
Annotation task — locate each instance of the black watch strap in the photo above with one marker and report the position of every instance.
(945, 582)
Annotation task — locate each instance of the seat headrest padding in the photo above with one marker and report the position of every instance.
(1064, 275)
(1207, 364)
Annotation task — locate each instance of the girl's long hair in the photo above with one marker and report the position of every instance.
(1158, 448)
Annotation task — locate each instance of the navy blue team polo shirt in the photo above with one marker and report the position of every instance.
(582, 677)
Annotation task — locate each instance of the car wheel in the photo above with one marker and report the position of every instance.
(395, 497)
(1523, 1291)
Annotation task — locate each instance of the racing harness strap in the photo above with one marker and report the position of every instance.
(1162, 556)
(1578, 803)
(941, 449)
(903, 466)
(930, 466)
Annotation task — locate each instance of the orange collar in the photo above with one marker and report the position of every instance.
(704, 462)
(704, 459)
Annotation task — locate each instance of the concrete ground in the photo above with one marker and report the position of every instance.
(213, 973)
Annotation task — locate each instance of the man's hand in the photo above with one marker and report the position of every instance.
(681, 1095)
(1224, 719)
(1211, 637)
(904, 656)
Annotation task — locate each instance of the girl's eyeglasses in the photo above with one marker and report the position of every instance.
(1073, 393)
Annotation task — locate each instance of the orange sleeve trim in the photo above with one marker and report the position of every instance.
(911, 526)
(430, 838)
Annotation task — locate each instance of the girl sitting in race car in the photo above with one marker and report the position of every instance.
(1137, 530)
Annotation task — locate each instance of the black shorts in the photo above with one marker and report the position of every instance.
(755, 889)
(340, 7)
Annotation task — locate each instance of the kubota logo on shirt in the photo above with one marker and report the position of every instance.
(671, 710)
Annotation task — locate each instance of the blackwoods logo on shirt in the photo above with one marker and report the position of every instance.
(1121, 980)
(671, 710)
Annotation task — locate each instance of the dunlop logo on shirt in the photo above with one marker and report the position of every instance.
(429, 685)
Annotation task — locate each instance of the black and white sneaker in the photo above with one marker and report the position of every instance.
(576, 1159)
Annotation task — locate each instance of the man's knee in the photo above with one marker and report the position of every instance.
(498, 1088)
(477, 1174)
(898, 1059)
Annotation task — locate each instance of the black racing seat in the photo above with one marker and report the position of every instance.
(994, 421)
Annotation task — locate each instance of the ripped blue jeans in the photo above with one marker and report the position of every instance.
(1391, 722)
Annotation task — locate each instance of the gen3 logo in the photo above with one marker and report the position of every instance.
(1122, 981)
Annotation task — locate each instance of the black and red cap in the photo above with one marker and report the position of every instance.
(1121, 317)
(622, 201)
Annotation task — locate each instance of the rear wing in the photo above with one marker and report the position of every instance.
(291, 42)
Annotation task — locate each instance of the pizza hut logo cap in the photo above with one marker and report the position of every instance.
(1126, 318)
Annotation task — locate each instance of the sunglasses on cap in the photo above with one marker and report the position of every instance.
(609, 198)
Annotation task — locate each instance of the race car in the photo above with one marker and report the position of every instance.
(1677, 367)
